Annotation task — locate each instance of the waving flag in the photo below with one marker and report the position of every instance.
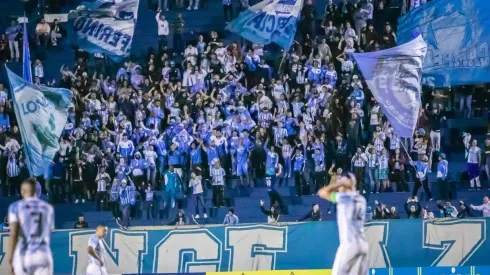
(104, 27)
(458, 39)
(41, 113)
(269, 21)
(394, 76)
(26, 56)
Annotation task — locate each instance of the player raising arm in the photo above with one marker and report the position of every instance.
(31, 224)
(352, 254)
(96, 252)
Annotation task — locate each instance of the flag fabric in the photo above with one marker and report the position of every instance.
(269, 21)
(458, 39)
(394, 76)
(41, 113)
(105, 27)
(26, 57)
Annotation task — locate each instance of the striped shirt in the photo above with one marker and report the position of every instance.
(13, 167)
(360, 160)
(372, 160)
(474, 154)
(265, 119)
(102, 180)
(279, 135)
(287, 151)
(125, 195)
(218, 176)
(379, 141)
(394, 141)
(36, 222)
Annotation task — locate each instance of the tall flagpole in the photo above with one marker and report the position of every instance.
(26, 55)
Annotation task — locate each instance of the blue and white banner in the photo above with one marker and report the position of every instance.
(104, 26)
(407, 243)
(26, 56)
(41, 114)
(269, 21)
(458, 38)
(394, 76)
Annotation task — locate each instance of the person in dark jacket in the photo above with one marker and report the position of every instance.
(58, 173)
(465, 211)
(314, 215)
(413, 208)
(180, 219)
(272, 214)
(81, 223)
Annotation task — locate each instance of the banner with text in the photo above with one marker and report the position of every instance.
(400, 243)
(104, 27)
(269, 21)
(458, 37)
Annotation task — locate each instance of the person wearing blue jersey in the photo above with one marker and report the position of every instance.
(442, 171)
(241, 160)
(125, 147)
(138, 167)
(299, 162)
(271, 163)
(31, 223)
(195, 156)
(320, 175)
(287, 154)
(421, 177)
(175, 158)
(173, 186)
(210, 150)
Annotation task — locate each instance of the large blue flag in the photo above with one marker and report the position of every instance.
(41, 113)
(269, 21)
(26, 56)
(104, 27)
(458, 39)
(394, 76)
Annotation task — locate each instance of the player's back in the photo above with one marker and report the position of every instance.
(351, 214)
(36, 222)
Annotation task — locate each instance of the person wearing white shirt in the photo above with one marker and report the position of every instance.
(163, 31)
(39, 70)
(485, 207)
(350, 33)
(190, 54)
(474, 160)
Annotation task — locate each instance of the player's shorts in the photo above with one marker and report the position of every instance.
(93, 269)
(38, 263)
(242, 169)
(351, 259)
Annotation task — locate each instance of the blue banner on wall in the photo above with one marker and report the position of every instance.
(402, 243)
(458, 37)
(104, 27)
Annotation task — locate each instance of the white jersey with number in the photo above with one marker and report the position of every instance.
(352, 254)
(32, 254)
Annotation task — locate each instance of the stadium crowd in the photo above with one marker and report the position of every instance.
(205, 111)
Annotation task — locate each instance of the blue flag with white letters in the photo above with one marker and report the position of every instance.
(104, 26)
(269, 21)
(41, 114)
(458, 39)
(394, 76)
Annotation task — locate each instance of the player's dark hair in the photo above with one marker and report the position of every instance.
(32, 182)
